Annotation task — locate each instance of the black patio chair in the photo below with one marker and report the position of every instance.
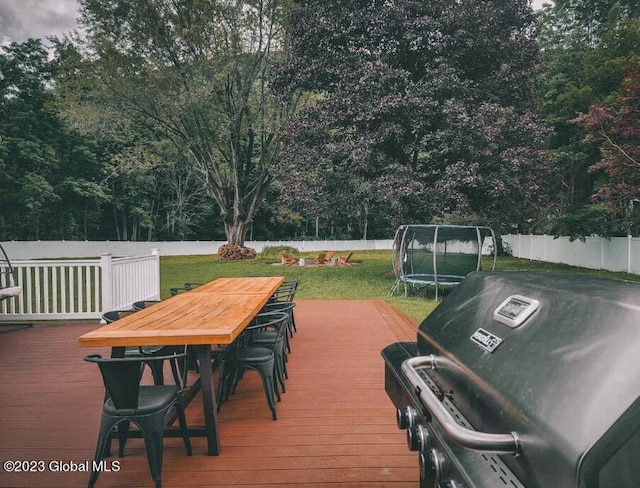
(157, 368)
(282, 307)
(147, 406)
(286, 292)
(243, 355)
(273, 339)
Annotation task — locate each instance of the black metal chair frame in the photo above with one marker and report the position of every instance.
(243, 356)
(147, 406)
(286, 292)
(156, 367)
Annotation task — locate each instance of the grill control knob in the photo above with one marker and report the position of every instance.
(406, 417)
(435, 468)
(418, 438)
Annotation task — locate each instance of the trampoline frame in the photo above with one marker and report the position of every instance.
(402, 262)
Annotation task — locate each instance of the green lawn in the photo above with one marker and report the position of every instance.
(370, 277)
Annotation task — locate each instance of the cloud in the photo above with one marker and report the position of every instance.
(22, 19)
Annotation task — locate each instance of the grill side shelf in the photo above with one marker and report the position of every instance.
(464, 436)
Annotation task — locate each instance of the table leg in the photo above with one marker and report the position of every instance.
(203, 353)
(117, 352)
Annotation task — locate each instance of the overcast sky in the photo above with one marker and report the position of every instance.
(21, 19)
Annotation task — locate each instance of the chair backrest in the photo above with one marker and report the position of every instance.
(286, 307)
(121, 377)
(278, 307)
(141, 305)
(276, 321)
(343, 260)
(113, 315)
(286, 292)
(177, 290)
(289, 259)
(191, 286)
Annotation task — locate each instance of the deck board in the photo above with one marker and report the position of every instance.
(335, 428)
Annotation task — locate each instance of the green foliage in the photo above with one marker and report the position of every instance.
(276, 251)
(422, 109)
(588, 220)
(587, 47)
(49, 177)
(195, 73)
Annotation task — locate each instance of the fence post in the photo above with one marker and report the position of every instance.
(106, 267)
(156, 272)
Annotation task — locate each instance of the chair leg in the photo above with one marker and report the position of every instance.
(123, 434)
(280, 369)
(225, 382)
(104, 441)
(269, 385)
(153, 431)
(157, 372)
(235, 378)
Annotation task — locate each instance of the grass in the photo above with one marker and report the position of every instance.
(371, 276)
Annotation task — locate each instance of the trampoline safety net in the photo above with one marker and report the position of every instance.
(438, 255)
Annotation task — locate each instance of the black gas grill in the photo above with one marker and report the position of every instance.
(524, 379)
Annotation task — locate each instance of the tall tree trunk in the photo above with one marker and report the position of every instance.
(235, 232)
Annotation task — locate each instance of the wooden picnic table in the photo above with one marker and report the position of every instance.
(215, 313)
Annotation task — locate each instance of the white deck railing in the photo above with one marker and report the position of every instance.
(81, 288)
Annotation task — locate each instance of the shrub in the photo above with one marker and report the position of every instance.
(276, 251)
(229, 252)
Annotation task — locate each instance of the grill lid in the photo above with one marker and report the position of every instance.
(550, 357)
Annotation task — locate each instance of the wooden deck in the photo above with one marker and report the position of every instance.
(335, 428)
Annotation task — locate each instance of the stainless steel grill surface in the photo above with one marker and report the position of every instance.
(524, 379)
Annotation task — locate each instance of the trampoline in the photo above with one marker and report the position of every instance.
(437, 255)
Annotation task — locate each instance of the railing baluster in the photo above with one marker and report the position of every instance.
(73, 289)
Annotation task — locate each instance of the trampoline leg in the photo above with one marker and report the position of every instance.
(394, 288)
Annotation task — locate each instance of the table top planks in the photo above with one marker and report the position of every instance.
(240, 286)
(213, 313)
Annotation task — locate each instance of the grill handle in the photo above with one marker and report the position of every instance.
(480, 441)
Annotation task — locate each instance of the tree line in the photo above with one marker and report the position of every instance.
(273, 119)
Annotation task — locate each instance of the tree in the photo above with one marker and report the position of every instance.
(585, 46)
(428, 103)
(618, 129)
(194, 72)
(48, 175)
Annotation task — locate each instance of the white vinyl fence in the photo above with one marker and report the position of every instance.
(613, 254)
(81, 288)
(65, 249)
(63, 289)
